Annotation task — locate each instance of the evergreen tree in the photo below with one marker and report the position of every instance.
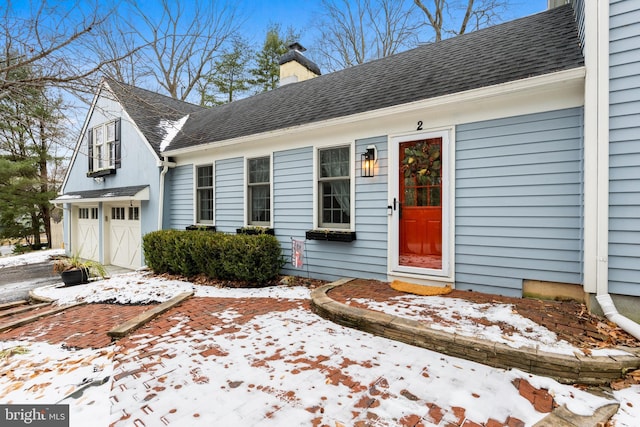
(29, 127)
(267, 71)
(229, 76)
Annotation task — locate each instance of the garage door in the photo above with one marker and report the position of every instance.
(124, 236)
(86, 241)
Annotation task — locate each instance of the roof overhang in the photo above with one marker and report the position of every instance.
(120, 194)
(512, 87)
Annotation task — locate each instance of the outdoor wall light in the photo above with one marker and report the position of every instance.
(368, 161)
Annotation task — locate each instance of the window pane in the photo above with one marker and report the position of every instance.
(205, 205)
(336, 203)
(111, 131)
(260, 204)
(334, 162)
(205, 176)
(259, 170)
(98, 135)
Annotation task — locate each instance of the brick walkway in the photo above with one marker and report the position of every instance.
(149, 357)
(85, 326)
(150, 364)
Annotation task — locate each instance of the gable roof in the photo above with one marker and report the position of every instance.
(148, 109)
(539, 44)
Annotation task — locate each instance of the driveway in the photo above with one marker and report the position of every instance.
(16, 282)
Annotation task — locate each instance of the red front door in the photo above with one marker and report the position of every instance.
(420, 226)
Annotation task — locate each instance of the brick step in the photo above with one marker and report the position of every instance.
(34, 315)
(24, 308)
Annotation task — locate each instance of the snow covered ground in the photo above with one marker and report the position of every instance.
(274, 351)
(28, 258)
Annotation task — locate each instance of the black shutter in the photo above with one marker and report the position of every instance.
(117, 151)
(89, 138)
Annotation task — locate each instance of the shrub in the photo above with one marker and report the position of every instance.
(247, 258)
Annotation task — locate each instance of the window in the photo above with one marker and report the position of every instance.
(334, 187)
(83, 213)
(134, 213)
(104, 148)
(204, 194)
(259, 191)
(94, 213)
(117, 213)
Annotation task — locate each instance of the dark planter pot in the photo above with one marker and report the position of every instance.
(74, 277)
(331, 236)
(255, 231)
(201, 228)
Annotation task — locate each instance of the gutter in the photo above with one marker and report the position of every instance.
(165, 164)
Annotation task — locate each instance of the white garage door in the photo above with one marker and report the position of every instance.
(86, 240)
(124, 236)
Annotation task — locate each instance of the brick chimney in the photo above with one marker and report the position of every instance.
(295, 67)
(552, 4)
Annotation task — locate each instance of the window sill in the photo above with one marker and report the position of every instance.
(101, 172)
(201, 227)
(252, 230)
(330, 235)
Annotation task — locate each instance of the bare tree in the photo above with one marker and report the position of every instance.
(48, 36)
(455, 17)
(354, 32)
(179, 47)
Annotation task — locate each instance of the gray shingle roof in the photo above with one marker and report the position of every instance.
(535, 45)
(148, 108)
(102, 193)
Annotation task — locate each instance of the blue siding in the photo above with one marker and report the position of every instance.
(178, 212)
(293, 216)
(229, 194)
(138, 168)
(519, 201)
(624, 148)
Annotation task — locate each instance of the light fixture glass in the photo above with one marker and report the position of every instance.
(368, 160)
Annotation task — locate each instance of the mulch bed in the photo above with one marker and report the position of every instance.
(570, 320)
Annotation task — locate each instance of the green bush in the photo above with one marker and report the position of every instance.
(248, 258)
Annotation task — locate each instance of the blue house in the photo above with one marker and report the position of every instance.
(506, 161)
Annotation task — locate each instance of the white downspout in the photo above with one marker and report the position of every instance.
(166, 164)
(610, 311)
(602, 102)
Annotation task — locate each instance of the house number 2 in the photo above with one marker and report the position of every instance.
(419, 125)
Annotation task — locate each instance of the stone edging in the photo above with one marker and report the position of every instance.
(569, 369)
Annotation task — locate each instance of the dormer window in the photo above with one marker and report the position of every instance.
(104, 149)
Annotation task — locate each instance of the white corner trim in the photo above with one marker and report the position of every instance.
(602, 284)
(596, 148)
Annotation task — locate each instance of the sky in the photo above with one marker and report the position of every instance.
(300, 13)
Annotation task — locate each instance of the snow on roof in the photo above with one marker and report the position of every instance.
(171, 129)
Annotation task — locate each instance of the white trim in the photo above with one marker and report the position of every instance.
(596, 148)
(448, 203)
(561, 77)
(195, 192)
(79, 139)
(602, 284)
(140, 195)
(246, 190)
(352, 186)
